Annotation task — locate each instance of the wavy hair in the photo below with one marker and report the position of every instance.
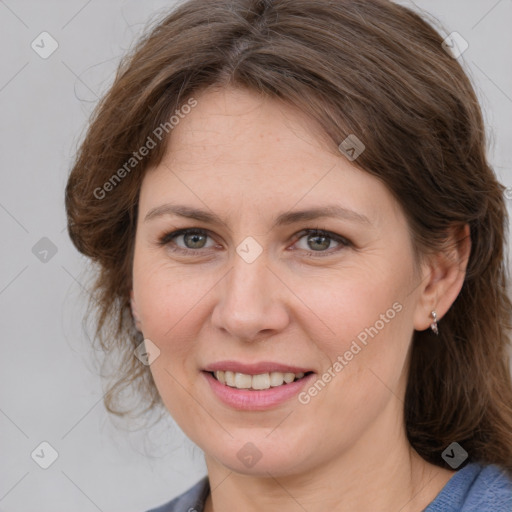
(366, 67)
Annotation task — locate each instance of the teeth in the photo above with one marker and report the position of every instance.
(261, 381)
(276, 379)
(230, 379)
(242, 381)
(289, 377)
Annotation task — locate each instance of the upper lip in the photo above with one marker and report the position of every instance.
(254, 368)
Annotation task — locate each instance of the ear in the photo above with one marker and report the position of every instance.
(443, 277)
(135, 313)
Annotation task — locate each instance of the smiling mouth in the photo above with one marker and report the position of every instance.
(258, 382)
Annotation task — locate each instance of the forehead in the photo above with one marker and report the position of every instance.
(229, 118)
(236, 148)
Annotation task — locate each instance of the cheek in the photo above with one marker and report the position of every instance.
(357, 304)
(370, 314)
(166, 295)
(173, 306)
(169, 302)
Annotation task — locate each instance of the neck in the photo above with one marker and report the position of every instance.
(375, 474)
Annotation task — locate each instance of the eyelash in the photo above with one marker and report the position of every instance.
(168, 238)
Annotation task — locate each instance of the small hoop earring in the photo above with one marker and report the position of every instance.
(433, 325)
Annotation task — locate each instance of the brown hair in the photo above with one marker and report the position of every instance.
(365, 67)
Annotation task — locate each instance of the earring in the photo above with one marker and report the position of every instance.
(433, 325)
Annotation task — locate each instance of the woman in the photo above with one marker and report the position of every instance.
(300, 238)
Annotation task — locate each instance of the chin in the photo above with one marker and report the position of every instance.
(259, 456)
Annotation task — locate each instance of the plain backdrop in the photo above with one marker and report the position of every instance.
(49, 391)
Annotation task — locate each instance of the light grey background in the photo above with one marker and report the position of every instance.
(48, 388)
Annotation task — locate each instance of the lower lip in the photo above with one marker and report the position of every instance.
(247, 400)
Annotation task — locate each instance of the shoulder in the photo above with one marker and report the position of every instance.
(191, 500)
(475, 488)
(492, 490)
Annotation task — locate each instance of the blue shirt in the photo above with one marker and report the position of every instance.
(474, 488)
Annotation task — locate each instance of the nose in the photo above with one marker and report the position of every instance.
(251, 301)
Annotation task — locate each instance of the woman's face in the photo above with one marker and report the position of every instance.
(250, 291)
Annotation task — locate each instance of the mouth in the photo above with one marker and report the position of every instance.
(258, 386)
(257, 382)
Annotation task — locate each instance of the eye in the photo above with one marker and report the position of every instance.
(317, 241)
(192, 240)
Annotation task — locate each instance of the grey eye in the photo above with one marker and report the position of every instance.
(317, 242)
(194, 240)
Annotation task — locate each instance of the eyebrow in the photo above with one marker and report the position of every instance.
(284, 219)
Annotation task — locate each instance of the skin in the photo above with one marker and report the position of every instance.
(248, 159)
